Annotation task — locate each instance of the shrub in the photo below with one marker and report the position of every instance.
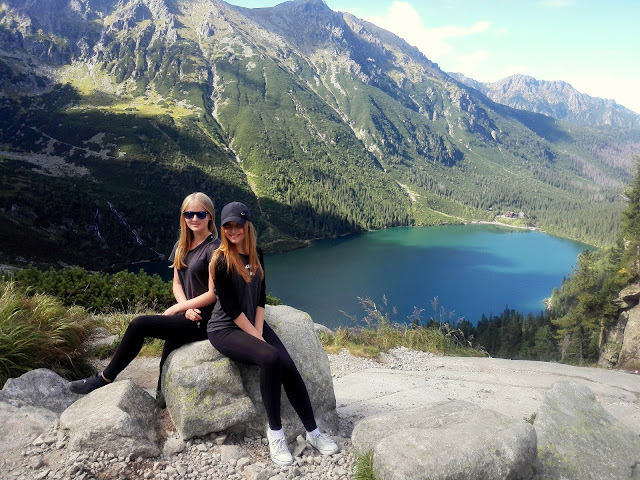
(37, 331)
(99, 292)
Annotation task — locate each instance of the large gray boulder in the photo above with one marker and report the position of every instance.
(206, 392)
(447, 440)
(29, 405)
(119, 418)
(39, 388)
(578, 439)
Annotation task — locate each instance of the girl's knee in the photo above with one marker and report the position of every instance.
(271, 357)
(139, 324)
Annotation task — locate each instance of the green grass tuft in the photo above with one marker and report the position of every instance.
(37, 331)
(364, 467)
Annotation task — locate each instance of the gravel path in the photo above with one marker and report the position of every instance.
(212, 457)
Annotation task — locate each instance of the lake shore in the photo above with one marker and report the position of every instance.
(500, 224)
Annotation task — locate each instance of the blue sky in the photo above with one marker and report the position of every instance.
(592, 44)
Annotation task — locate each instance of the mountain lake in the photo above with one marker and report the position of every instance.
(463, 270)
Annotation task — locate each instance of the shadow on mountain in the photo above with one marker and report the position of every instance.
(542, 125)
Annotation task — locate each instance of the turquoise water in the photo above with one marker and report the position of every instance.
(471, 269)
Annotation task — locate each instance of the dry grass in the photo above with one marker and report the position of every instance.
(379, 333)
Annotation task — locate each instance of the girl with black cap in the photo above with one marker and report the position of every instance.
(237, 329)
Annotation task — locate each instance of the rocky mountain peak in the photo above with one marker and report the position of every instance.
(309, 24)
(555, 98)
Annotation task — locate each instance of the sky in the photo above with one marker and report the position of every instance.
(594, 45)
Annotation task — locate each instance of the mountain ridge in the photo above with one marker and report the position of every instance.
(556, 98)
(322, 123)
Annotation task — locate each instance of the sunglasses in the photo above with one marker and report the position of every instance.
(200, 215)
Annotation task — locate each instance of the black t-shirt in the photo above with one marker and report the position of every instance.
(235, 296)
(195, 277)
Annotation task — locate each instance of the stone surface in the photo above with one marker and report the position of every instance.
(628, 297)
(452, 439)
(206, 392)
(400, 379)
(630, 352)
(29, 404)
(232, 453)
(40, 388)
(172, 446)
(21, 426)
(578, 439)
(612, 341)
(118, 418)
(515, 388)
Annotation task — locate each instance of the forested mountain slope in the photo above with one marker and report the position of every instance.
(324, 124)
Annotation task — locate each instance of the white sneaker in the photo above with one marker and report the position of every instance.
(323, 443)
(279, 450)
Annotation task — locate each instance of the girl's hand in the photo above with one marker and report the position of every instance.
(193, 314)
(172, 310)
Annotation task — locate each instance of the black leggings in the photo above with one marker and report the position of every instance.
(276, 368)
(175, 330)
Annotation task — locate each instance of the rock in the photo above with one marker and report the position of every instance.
(300, 446)
(319, 328)
(258, 471)
(206, 392)
(578, 439)
(296, 330)
(613, 338)
(232, 453)
(173, 446)
(452, 439)
(118, 418)
(242, 462)
(29, 404)
(203, 390)
(20, 426)
(628, 297)
(40, 388)
(630, 352)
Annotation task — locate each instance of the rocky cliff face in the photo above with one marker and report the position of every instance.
(620, 343)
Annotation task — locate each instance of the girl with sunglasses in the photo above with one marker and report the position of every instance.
(186, 320)
(237, 329)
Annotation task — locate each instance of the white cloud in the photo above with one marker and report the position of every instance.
(403, 20)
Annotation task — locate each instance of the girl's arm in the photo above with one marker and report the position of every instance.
(259, 320)
(183, 305)
(245, 325)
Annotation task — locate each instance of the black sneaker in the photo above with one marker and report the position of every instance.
(87, 385)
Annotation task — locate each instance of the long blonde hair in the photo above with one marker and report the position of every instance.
(227, 252)
(186, 235)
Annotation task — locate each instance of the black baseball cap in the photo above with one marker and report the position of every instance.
(235, 212)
